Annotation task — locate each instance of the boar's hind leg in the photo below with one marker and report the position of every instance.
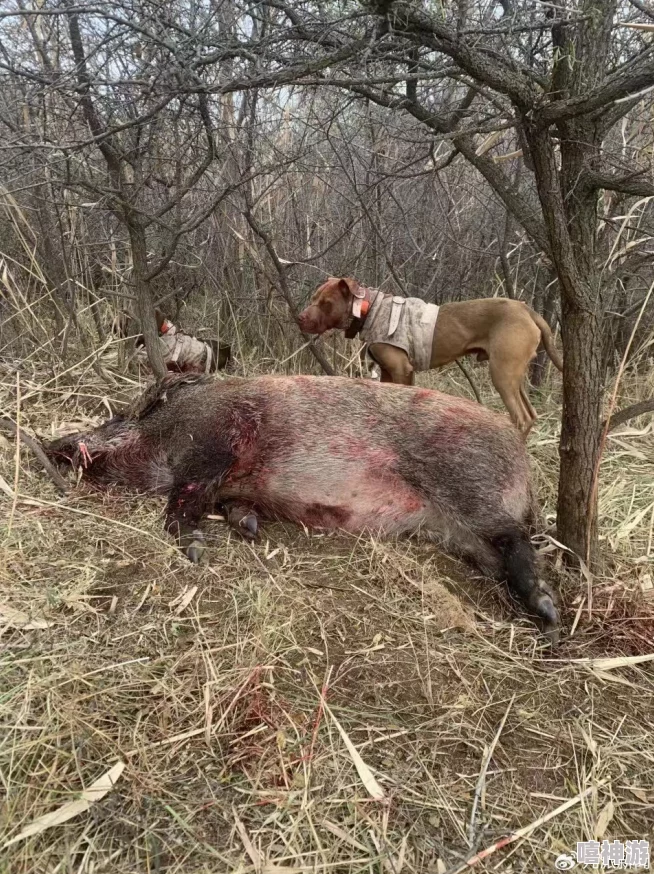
(520, 572)
(187, 504)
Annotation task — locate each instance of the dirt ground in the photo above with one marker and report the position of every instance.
(312, 702)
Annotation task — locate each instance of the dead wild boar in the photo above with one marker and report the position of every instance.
(329, 453)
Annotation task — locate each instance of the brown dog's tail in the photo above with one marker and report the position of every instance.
(548, 339)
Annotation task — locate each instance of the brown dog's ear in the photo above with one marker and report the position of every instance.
(350, 286)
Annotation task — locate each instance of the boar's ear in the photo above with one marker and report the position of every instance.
(350, 287)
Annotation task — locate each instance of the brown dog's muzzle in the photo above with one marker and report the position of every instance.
(310, 321)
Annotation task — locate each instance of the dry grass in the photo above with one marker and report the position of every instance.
(236, 693)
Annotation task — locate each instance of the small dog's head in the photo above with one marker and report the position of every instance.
(330, 307)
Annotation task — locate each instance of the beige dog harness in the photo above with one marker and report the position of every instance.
(184, 350)
(405, 322)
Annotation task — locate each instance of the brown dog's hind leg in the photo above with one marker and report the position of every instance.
(509, 355)
(508, 388)
(525, 399)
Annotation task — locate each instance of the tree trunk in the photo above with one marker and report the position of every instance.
(582, 318)
(580, 432)
(569, 203)
(144, 305)
(570, 212)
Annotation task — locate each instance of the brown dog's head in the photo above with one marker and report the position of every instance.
(330, 307)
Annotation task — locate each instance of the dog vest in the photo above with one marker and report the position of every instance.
(405, 322)
(182, 349)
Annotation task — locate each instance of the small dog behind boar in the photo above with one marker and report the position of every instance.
(328, 453)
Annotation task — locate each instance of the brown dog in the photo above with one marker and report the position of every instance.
(504, 332)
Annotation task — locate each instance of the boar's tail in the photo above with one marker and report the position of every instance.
(162, 390)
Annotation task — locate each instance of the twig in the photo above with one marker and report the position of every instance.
(522, 832)
(281, 284)
(17, 457)
(481, 782)
(319, 713)
(31, 443)
(592, 502)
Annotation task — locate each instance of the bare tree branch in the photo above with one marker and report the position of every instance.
(627, 413)
(628, 183)
(37, 449)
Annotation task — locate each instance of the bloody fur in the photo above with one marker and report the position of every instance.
(328, 453)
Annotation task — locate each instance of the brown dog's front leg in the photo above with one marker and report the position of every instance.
(394, 363)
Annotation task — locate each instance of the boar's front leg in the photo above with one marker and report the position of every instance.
(197, 475)
(187, 504)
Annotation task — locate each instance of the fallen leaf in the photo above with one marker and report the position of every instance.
(182, 601)
(247, 843)
(616, 662)
(67, 811)
(608, 677)
(6, 488)
(270, 868)
(603, 820)
(367, 778)
(343, 835)
(17, 619)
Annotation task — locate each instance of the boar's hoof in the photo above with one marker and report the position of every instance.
(542, 603)
(195, 549)
(243, 521)
(249, 526)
